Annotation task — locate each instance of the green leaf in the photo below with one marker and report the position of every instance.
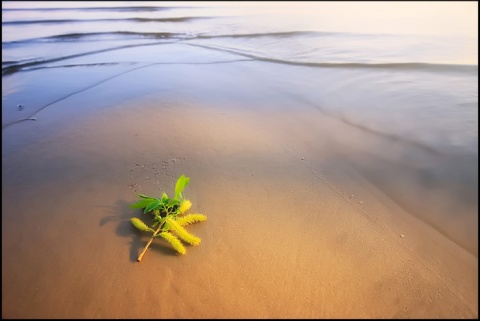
(164, 196)
(173, 202)
(156, 203)
(142, 203)
(182, 182)
(145, 196)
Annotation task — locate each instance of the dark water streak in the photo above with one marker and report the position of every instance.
(59, 21)
(79, 36)
(12, 66)
(121, 9)
(129, 35)
(19, 67)
(472, 69)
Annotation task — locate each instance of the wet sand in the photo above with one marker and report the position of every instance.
(308, 216)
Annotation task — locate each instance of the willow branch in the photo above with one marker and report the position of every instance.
(139, 259)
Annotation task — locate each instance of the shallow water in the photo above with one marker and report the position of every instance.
(384, 69)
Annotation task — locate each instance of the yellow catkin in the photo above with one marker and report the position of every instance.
(190, 219)
(183, 233)
(174, 241)
(185, 206)
(139, 224)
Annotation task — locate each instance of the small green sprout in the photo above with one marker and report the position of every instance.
(169, 214)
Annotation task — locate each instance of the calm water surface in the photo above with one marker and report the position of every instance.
(408, 70)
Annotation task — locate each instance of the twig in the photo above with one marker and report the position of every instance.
(139, 259)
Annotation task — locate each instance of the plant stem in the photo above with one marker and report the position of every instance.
(139, 259)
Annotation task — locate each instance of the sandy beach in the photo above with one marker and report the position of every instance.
(308, 216)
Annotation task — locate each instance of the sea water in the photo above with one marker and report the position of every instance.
(408, 70)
